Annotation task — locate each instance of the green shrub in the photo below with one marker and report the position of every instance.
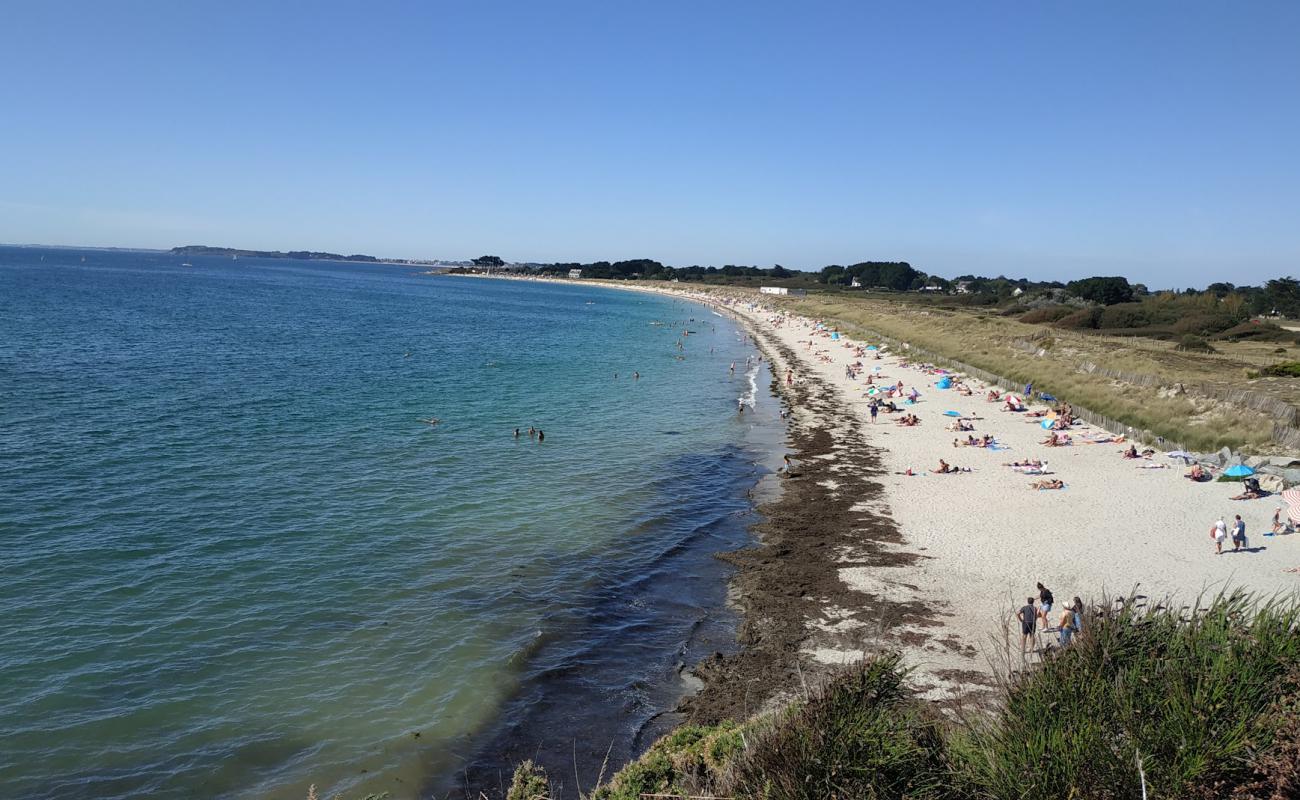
(1203, 324)
(1047, 314)
(1257, 332)
(864, 737)
(529, 783)
(1124, 315)
(1195, 344)
(1188, 691)
(1082, 319)
(1287, 369)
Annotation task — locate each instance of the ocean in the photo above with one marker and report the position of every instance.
(238, 559)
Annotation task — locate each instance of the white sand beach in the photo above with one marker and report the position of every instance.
(985, 537)
(1119, 524)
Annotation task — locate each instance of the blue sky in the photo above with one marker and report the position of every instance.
(1159, 140)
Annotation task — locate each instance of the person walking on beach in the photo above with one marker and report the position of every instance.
(875, 409)
(1238, 533)
(1277, 522)
(1029, 390)
(1218, 532)
(1045, 599)
(1028, 616)
(789, 377)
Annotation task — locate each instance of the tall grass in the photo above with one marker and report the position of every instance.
(997, 345)
(1197, 702)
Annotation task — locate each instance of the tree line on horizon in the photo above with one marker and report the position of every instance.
(1279, 295)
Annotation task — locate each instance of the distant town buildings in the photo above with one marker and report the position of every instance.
(782, 290)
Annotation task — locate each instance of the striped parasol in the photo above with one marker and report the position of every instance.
(1292, 498)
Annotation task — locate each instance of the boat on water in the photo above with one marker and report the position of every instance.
(187, 264)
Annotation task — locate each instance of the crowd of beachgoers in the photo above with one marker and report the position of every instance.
(1091, 509)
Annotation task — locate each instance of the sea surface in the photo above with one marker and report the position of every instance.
(237, 560)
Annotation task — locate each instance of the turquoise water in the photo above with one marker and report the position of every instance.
(236, 562)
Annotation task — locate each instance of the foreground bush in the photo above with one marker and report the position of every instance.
(1198, 703)
(1183, 697)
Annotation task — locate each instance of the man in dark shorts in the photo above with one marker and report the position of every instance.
(875, 409)
(1027, 615)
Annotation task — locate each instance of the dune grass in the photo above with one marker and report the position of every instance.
(1200, 703)
(1050, 359)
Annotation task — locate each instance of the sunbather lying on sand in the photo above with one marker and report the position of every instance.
(909, 420)
(1032, 462)
(1047, 483)
(948, 469)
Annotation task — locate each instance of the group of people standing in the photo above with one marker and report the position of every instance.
(1069, 620)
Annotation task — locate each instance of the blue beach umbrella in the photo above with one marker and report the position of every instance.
(1238, 471)
(872, 347)
(952, 413)
(1047, 424)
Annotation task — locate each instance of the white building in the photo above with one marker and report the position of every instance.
(963, 287)
(575, 273)
(782, 290)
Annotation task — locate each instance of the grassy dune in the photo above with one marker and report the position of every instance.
(1192, 703)
(1050, 358)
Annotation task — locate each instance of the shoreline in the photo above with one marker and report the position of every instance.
(857, 557)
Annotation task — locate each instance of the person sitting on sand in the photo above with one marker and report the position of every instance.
(1047, 483)
(1131, 452)
(993, 396)
(1052, 440)
(1249, 494)
(987, 440)
(1197, 473)
(945, 468)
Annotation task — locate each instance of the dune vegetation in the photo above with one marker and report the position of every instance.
(1162, 398)
(1148, 701)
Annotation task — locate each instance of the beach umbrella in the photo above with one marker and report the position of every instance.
(872, 347)
(1238, 471)
(952, 413)
(1047, 424)
(944, 383)
(1292, 498)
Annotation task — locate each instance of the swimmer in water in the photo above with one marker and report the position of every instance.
(636, 376)
(740, 406)
(541, 436)
(532, 432)
(733, 367)
(516, 433)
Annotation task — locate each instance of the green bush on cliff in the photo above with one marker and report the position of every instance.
(1198, 703)
(867, 736)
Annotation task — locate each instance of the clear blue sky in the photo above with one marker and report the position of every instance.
(1159, 140)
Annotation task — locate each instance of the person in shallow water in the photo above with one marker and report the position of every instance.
(541, 436)
(516, 433)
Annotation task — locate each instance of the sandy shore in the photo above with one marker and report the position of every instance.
(987, 538)
(856, 557)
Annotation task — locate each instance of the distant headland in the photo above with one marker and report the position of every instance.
(302, 255)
